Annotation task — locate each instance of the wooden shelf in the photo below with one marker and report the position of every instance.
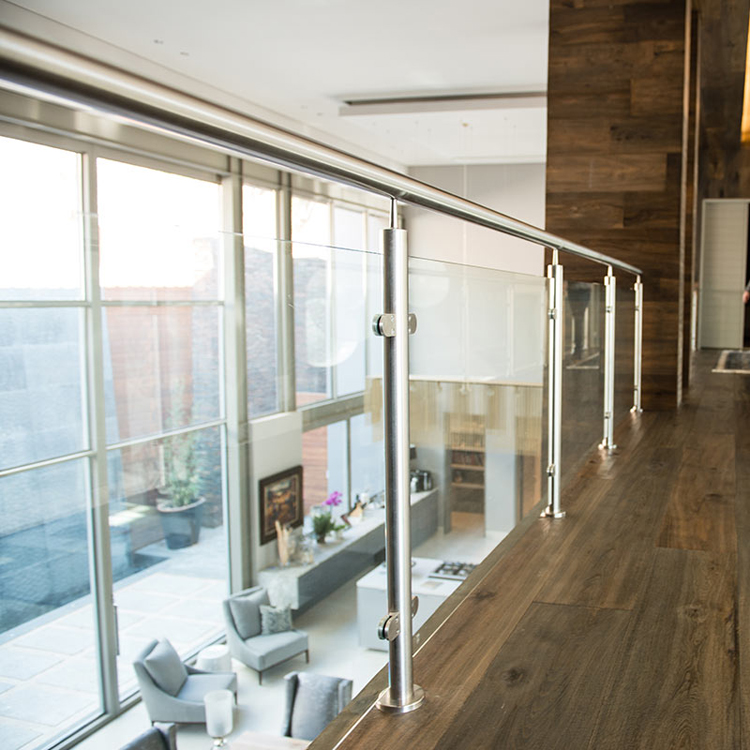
(469, 467)
(468, 485)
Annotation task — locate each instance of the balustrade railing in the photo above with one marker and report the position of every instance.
(81, 81)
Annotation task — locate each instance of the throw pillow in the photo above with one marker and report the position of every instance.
(166, 668)
(275, 619)
(246, 614)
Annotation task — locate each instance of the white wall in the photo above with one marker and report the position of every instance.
(276, 445)
(517, 190)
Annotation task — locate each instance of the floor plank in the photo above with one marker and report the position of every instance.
(677, 687)
(606, 566)
(544, 683)
(700, 513)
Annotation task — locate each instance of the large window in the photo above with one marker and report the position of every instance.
(162, 330)
(259, 210)
(113, 435)
(141, 356)
(48, 673)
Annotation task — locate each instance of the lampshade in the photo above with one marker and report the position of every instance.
(219, 706)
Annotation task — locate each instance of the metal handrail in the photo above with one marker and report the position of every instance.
(66, 75)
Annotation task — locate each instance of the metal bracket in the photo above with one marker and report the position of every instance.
(551, 469)
(552, 313)
(385, 324)
(389, 628)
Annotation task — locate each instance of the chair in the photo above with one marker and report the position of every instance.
(312, 702)
(245, 638)
(173, 691)
(159, 737)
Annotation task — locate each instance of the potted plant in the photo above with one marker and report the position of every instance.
(322, 518)
(180, 507)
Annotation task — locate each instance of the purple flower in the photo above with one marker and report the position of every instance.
(333, 499)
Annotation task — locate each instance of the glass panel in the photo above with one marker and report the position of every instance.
(41, 384)
(169, 561)
(164, 365)
(40, 223)
(259, 218)
(48, 667)
(374, 292)
(311, 230)
(348, 286)
(158, 234)
(583, 373)
(332, 293)
(624, 346)
(367, 457)
(477, 362)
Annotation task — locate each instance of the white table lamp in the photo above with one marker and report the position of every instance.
(219, 720)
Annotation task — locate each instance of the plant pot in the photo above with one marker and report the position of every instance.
(181, 526)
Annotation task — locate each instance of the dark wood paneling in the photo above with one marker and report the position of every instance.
(724, 163)
(627, 147)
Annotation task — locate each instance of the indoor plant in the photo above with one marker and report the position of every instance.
(322, 518)
(180, 507)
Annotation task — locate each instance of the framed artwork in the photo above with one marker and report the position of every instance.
(280, 500)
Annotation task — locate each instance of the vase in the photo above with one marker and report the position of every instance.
(321, 538)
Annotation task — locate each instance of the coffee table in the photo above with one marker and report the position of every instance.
(261, 741)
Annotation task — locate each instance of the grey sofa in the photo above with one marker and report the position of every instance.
(173, 691)
(312, 702)
(246, 642)
(159, 737)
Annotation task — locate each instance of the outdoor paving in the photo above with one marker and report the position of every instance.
(49, 680)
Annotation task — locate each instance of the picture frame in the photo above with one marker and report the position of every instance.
(280, 498)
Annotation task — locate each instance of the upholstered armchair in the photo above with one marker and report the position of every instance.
(258, 641)
(312, 702)
(173, 691)
(159, 737)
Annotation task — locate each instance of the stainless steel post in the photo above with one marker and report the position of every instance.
(554, 385)
(610, 289)
(402, 694)
(638, 346)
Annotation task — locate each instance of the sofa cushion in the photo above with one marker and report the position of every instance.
(265, 651)
(151, 739)
(275, 619)
(166, 668)
(198, 685)
(316, 704)
(246, 612)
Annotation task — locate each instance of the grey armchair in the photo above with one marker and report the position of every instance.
(245, 639)
(312, 702)
(159, 737)
(173, 691)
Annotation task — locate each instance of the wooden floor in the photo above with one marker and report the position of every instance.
(626, 625)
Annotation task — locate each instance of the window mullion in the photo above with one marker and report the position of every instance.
(101, 572)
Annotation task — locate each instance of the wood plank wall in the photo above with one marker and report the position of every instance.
(724, 163)
(615, 168)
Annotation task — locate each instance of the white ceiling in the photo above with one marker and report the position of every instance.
(295, 62)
